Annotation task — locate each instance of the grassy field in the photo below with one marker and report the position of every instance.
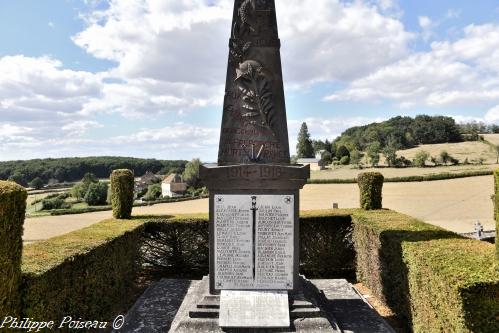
(452, 204)
(472, 150)
(348, 172)
(492, 138)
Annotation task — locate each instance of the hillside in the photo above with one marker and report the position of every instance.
(472, 150)
(402, 133)
(74, 168)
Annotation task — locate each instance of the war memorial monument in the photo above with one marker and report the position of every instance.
(254, 283)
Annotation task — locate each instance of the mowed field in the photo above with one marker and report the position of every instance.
(472, 150)
(453, 204)
(349, 172)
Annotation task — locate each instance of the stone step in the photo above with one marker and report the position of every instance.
(299, 304)
(209, 305)
(212, 298)
(306, 313)
(204, 313)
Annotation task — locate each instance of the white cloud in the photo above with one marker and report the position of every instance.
(492, 115)
(186, 41)
(427, 25)
(461, 73)
(326, 128)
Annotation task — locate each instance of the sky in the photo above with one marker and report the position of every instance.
(145, 78)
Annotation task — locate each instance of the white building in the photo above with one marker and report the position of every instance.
(173, 186)
(316, 164)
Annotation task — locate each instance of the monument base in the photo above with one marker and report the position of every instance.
(322, 306)
(181, 306)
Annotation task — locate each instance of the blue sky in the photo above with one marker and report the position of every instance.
(145, 78)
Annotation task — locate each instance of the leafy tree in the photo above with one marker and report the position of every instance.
(356, 158)
(36, 183)
(96, 194)
(326, 158)
(445, 157)
(89, 178)
(304, 148)
(373, 151)
(341, 152)
(390, 154)
(19, 178)
(79, 190)
(421, 158)
(191, 173)
(153, 192)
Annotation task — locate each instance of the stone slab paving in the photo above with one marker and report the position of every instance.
(155, 309)
(180, 306)
(353, 313)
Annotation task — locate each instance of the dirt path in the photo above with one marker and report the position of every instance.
(452, 204)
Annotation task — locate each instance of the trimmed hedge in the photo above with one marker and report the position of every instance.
(179, 247)
(434, 280)
(326, 246)
(89, 273)
(12, 209)
(371, 190)
(496, 212)
(122, 186)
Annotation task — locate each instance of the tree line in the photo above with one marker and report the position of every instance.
(60, 170)
(388, 137)
(398, 133)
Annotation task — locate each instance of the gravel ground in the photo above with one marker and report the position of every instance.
(452, 204)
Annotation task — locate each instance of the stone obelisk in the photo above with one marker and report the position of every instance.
(254, 191)
(254, 127)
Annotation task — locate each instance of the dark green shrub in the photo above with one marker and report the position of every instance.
(153, 192)
(96, 194)
(36, 183)
(55, 203)
(122, 186)
(12, 210)
(345, 160)
(371, 188)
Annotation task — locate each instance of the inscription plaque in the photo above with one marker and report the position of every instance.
(259, 309)
(254, 242)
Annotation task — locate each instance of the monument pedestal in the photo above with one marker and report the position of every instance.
(254, 226)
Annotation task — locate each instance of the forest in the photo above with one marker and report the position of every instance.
(402, 133)
(60, 170)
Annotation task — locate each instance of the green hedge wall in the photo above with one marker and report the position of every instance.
(371, 190)
(434, 280)
(326, 246)
(122, 187)
(178, 248)
(12, 210)
(90, 273)
(496, 213)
